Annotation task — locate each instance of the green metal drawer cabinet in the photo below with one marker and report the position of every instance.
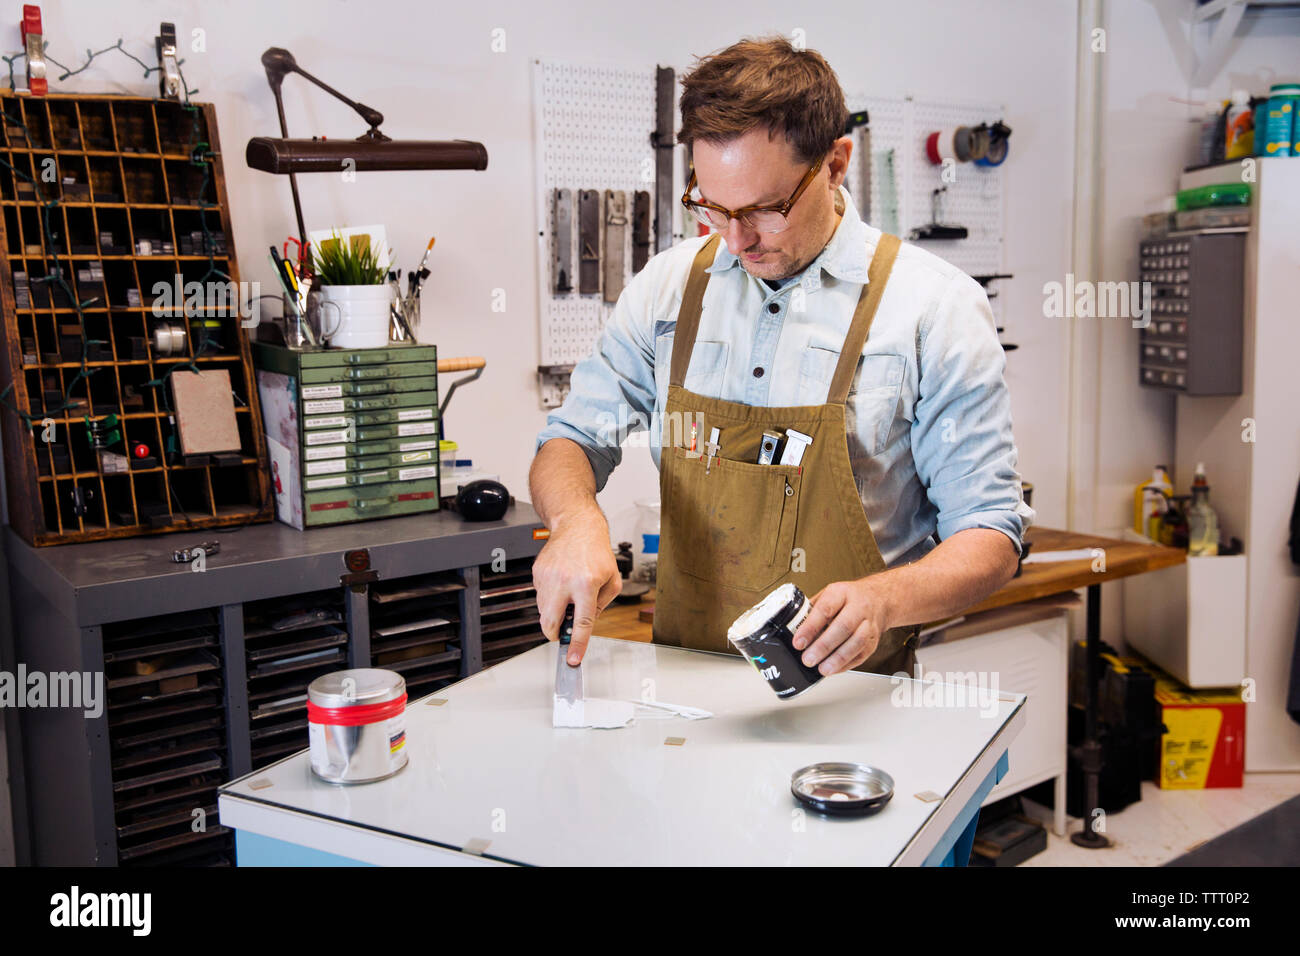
(352, 434)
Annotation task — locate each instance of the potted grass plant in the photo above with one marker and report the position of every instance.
(354, 281)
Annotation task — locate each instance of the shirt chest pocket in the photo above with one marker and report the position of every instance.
(706, 373)
(873, 395)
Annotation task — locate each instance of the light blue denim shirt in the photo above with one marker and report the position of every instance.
(929, 416)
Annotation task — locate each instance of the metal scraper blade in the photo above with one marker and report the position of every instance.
(568, 711)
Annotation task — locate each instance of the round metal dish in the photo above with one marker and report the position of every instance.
(842, 789)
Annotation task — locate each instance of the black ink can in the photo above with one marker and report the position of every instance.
(764, 635)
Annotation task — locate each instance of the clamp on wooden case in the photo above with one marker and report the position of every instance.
(33, 42)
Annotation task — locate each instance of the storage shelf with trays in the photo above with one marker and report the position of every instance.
(134, 175)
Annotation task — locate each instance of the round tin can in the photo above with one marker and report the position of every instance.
(356, 725)
(842, 789)
(764, 635)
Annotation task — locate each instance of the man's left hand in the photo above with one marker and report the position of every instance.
(844, 626)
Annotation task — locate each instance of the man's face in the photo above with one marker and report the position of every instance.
(760, 169)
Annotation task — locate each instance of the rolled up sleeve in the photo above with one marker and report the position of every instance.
(611, 391)
(961, 435)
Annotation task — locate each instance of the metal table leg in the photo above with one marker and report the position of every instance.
(1090, 758)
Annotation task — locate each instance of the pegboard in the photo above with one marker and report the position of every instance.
(592, 126)
(973, 200)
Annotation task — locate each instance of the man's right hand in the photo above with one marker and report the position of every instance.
(576, 566)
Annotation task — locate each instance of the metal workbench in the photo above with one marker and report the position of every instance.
(70, 769)
(490, 780)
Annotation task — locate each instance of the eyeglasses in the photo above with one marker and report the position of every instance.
(769, 218)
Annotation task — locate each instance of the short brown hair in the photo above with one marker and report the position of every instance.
(764, 83)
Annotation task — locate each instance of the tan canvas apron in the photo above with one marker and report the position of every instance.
(734, 530)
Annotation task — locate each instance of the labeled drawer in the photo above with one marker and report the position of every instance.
(351, 358)
(391, 446)
(334, 406)
(390, 416)
(364, 502)
(368, 388)
(335, 466)
(368, 373)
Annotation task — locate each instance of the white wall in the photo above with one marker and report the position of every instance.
(429, 68)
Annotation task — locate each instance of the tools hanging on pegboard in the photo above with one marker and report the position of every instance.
(599, 240)
(607, 190)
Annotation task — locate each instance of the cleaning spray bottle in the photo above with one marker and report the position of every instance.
(1150, 502)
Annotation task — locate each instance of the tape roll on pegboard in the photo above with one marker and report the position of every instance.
(955, 143)
(997, 153)
(938, 147)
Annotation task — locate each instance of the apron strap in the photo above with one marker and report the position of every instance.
(877, 275)
(688, 315)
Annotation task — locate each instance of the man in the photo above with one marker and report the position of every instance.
(880, 363)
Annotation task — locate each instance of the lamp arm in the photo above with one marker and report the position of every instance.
(280, 62)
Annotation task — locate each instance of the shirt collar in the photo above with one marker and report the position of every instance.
(844, 257)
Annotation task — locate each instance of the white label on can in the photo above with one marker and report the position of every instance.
(396, 738)
(800, 616)
(327, 421)
(326, 467)
(417, 456)
(333, 451)
(316, 742)
(413, 414)
(410, 474)
(322, 408)
(316, 483)
(418, 428)
(416, 445)
(322, 391)
(325, 438)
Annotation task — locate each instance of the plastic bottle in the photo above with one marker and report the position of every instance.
(1279, 124)
(1202, 521)
(1151, 501)
(1238, 125)
(1209, 134)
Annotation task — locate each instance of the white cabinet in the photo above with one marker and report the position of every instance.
(1191, 619)
(1024, 650)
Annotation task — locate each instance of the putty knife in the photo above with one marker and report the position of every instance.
(568, 711)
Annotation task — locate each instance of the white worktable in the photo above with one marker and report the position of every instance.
(490, 780)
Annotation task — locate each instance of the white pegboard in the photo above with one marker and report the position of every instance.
(592, 125)
(973, 200)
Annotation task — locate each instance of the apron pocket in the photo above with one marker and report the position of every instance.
(733, 523)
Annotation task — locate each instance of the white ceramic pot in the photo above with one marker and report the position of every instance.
(363, 312)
